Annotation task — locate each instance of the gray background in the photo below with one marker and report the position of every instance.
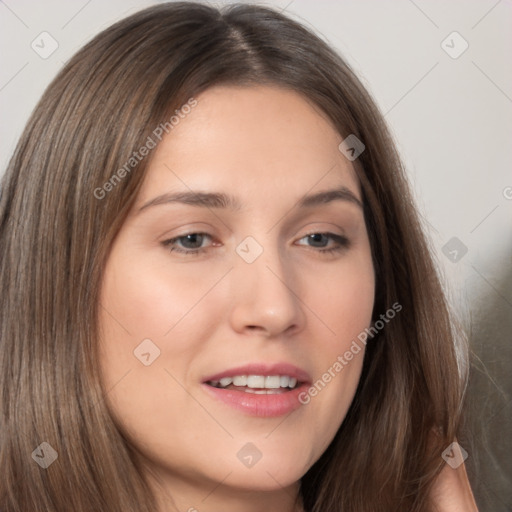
(452, 120)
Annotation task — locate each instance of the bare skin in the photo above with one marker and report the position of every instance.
(452, 492)
(213, 310)
(267, 147)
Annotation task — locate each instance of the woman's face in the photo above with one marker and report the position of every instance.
(218, 316)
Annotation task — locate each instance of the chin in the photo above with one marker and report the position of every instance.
(271, 472)
(262, 480)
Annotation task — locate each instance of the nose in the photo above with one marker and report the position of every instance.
(266, 297)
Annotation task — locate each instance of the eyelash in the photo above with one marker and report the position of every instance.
(343, 243)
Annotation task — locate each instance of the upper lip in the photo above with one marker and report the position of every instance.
(264, 369)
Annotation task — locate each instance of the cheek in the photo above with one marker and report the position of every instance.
(343, 300)
(141, 301)
(147, 299)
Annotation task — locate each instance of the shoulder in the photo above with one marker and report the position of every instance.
(451, 491)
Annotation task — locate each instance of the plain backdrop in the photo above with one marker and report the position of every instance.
(440, 72)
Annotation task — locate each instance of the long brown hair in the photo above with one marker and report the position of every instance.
(55, 234)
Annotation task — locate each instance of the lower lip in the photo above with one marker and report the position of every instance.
(266, 406)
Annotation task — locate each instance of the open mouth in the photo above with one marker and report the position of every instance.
(257, 384)
(259, 389)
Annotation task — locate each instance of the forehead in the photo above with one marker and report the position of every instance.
(258, 142)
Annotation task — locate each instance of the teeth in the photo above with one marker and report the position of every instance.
(240, 380)
(273, 382)
(225, 381)
(257, 382)
(258, 391)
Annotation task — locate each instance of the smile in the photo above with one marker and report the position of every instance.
(259, 384)
(259, 390)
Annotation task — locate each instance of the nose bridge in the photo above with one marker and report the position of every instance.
(265, 295)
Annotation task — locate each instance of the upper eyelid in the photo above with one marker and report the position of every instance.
(310, 232)
(204, 231)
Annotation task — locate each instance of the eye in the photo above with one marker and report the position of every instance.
(191, 243)
(321, 239)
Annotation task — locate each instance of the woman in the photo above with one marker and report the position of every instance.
(218, 293)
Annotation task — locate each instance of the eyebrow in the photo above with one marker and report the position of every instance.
(225, 201)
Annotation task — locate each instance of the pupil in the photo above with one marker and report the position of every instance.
(192, 238)
(315, 237)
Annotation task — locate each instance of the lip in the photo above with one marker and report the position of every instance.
(260, 405)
